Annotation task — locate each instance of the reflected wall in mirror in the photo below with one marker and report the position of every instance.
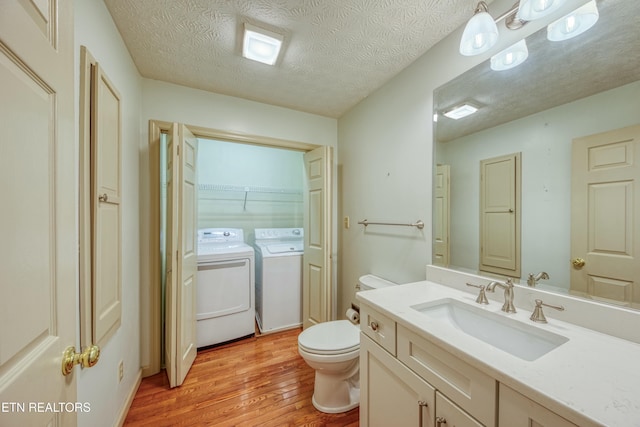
(563, 91)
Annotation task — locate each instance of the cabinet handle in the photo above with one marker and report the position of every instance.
(421, 405)
(440, 421)
(374, 326)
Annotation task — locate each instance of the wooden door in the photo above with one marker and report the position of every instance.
(317, 298)
(500, 215)
(605, 216)
(441, 216)
(182, 260)
(38, 219)
(106, 207)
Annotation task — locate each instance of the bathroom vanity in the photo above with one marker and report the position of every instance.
(430, 355)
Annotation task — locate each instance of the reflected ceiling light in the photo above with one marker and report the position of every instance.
(530, 10)
(480, 34)
(575, 23)
(461, 111)
(261, 45)
(510, 57)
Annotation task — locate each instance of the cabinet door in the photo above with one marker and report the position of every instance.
(390, 394)
(516, 410)
(448, 414)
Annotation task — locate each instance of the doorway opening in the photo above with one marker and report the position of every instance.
(224, 196)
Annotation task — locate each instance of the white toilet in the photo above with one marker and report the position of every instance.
(333, 349)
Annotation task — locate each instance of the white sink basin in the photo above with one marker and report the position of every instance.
(516, 338)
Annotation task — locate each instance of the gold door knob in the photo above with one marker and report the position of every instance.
(578, 262)
(88, 358)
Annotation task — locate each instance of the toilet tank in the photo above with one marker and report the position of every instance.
(369, 281)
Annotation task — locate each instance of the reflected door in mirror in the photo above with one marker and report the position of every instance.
(605, 216)
(500, 215)
(441, 220)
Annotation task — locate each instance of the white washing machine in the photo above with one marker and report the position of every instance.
(225, 288)
(279, 254)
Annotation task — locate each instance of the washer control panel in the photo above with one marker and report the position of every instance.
(279, 233)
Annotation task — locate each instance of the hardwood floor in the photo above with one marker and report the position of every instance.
(260, 381)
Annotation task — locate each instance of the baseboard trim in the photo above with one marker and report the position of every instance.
(127, 405)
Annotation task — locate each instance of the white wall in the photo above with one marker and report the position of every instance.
(385, 150)
(99, 385)
(173, 103)
(274, 177)
(545, 142)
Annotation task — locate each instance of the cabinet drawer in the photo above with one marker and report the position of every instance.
(449, 415)
(379, 328)
(468, 387)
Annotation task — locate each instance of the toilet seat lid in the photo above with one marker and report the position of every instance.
(338, 336)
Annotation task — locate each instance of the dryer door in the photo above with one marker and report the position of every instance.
(224, 288)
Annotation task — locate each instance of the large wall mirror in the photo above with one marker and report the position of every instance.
(564, 91)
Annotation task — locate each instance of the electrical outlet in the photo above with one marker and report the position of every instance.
(120, 370)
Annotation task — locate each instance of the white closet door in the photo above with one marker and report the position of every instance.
(182, 257)
(316, 275)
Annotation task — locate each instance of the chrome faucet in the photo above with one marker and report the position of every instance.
(533, 280)
(538, 314)
(508, 306)
(482, 297)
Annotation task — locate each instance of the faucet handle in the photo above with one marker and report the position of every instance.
(538, 314)
(482, 296)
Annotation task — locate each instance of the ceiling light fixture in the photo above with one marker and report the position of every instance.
(575, 23)
(261, 45)
(461, 111)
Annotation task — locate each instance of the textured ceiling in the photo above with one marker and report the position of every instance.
(336, 53)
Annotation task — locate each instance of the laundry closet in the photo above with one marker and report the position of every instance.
(250, 233)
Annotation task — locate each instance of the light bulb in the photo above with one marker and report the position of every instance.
(510, 57)
(575, 23)
(480, 34)
(530, 10)
(541, 5)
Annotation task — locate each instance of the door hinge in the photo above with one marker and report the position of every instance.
(178, 149)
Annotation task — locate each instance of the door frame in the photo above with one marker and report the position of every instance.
(153, 336)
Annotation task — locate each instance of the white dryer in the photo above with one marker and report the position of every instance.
(225, 287)
(279, 254)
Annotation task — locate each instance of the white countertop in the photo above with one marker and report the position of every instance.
(596, 376)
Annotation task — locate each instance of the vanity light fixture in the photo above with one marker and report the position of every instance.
(261, 45)
(530, 10)
(511, 57)
(575, 23)
(461, 111)
(481, 32)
